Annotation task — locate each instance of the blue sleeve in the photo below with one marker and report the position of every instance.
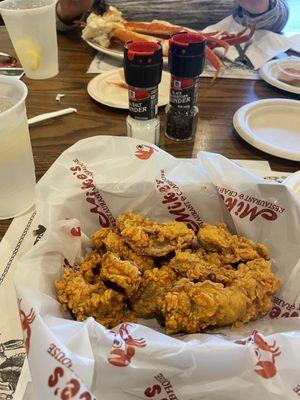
(273, 20)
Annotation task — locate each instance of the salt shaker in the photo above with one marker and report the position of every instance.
(143, 69)
(186, 63)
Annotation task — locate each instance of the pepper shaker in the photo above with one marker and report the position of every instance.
(186, 63)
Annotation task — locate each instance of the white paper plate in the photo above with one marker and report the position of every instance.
(115, 50)
(272, 126)
(269, 73)
(101, 90)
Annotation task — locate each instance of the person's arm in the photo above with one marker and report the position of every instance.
(70, 10)
(67, 11)
(254, 6)
(271, 14)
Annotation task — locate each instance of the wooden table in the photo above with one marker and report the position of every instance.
(217, 106)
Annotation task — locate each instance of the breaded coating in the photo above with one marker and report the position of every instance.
(91, 300)
(156, 283)
(260, 284)
(90, 267)
(124, 274)
(107, 240)
(233, 249)
(195, 267)
(192, 307)
(152, 238)
(210, 257)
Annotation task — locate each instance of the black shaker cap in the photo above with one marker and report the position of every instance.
(186, 54)
(143, 64)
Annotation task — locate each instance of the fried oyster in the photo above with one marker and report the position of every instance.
(124, 274)
(107, 240)
(85, 300)
(157, 282)
(193, 307)
(231, 248)
(152, 238)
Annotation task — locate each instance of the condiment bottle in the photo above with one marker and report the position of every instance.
(142, 69)
(186, 63)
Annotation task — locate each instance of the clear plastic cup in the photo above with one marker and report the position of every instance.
(17, 176)
(31, 25)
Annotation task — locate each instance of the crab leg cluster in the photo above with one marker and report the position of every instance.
(112, 26)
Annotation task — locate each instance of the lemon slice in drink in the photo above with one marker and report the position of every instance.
(28, 53)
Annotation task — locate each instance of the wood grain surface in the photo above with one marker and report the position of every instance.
(217, 105)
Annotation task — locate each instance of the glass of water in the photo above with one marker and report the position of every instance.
(17, 176)
(31, 26)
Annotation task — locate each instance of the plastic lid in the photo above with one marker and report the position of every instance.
(143, 64)
(186, 54)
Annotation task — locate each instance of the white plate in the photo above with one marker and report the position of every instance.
(115, 50)
(272, 126)
(101, 90)
(269, 72)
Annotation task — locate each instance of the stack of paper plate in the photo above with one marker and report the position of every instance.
(272, 126)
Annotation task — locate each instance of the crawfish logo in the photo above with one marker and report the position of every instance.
(26, 321)
(265, 353)
(144, 152)
(123, 348)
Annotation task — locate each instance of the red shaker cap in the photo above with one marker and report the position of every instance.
(141, 49)
(186, 38)
(142, 63)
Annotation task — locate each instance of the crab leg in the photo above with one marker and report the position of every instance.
(210, 34)
(240, 33)
(240, 38)
(165, 29)
(126, 35)
(227, 35)
(154, 27)
(213, 60)
(214, 42)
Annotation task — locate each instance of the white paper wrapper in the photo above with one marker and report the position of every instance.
(90, 184)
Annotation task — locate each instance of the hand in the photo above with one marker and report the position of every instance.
(254, 6)
(69, 10)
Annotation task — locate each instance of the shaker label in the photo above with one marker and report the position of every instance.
(143, 103)
(183, 93)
